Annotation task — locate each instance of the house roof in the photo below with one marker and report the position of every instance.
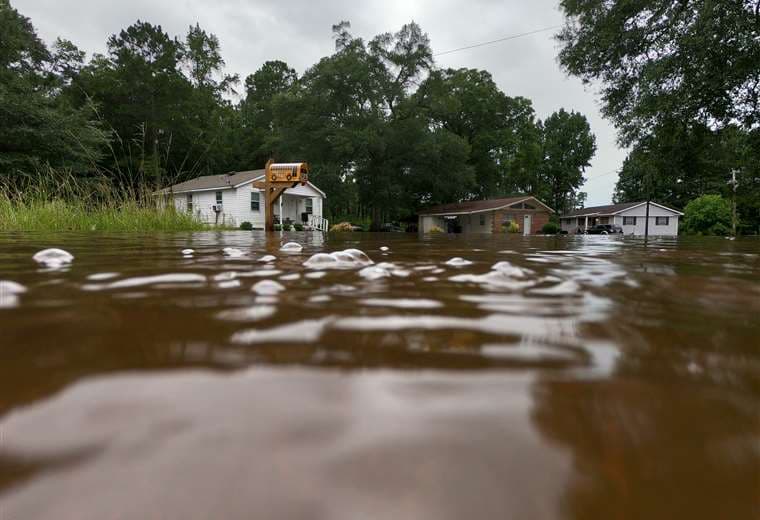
(227, 180)
(612, 209)
(478, 206)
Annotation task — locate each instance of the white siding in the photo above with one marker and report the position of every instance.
(236, 205)
(654, 230)
(427, 223)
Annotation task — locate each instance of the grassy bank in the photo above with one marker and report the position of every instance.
(66, 204)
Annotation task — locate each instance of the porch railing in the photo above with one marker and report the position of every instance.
(318, 223)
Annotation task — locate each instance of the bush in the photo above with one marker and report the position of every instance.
(550, 228)
(435, 229)
(342, 226)
(277, 227)
(708, 215)
(246, 226)
(298, 227)
(512, 227)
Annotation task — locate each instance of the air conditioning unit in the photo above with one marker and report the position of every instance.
(217, 208)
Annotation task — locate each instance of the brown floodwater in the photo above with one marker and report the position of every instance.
(535, 377)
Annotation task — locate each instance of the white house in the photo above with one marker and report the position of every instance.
(631, 216)
(230, 199)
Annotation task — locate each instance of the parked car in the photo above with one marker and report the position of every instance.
(604, 229)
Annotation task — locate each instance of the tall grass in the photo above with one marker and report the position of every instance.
(56, 201)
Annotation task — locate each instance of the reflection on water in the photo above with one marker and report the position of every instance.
(239, 375)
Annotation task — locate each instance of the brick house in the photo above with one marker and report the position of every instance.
(487, 216)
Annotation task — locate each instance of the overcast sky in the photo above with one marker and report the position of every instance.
(299, 33)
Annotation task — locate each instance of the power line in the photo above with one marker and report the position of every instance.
(601, 175)
(506, 38)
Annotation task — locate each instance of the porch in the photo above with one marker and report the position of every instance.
(294, 208)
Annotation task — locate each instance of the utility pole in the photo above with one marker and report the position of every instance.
(734, 183)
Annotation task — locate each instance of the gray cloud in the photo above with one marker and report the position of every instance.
(299, 32)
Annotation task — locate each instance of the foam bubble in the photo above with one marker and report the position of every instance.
(233, 252)
(98, 277)
(306, 331)
(402, 303)
(267, 258)
(9, 292)
(267, 287)
(138, 281)
(253, 313)
(53, 257)
(291, 247)
(289, 277)
(187, 252)
(347, 259)
(374, 272)
(384, 248)
(458, 261)
(229, 284)
(315, 275)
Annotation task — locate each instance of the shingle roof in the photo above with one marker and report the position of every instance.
(474, 206)
(609, 209)
(210, 182)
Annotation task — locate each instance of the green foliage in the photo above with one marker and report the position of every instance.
(512, 227)
(56, 201)
(550, 228)
(277, 227)
(435, 229)
(708, 215)
(659, 61)
(246, 226)
(298, 227)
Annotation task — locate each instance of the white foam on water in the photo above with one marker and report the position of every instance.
(513, 271)
(266, 300)
(424, 268)
(187, 252)
(430, 279)
(315, 275)
(138, 281)
(347, 259)
(495, 279)
(252, 313)
(99, 277)
(233, 252)
(307, 331)
(402, 303)
(384, 248)
(9, 292)
(267, 287)
(374, 272)
(438, 270)
(458, 261)
(320, 298)
(291, 247)
(229, 284)
(340, 288)
(53, 258)
(225, 276)
(566, 288)
(289, 277)
(267, 258)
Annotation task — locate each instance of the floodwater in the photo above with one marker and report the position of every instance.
(453, 377)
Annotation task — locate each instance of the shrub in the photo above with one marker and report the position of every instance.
(277, 227)
(435, 229)
(512, 227)
(246, 226)
(342, 226)
(550, 228)
(298, 227)
(708, 215)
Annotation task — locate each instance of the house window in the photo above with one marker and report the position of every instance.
(661, 221)
(309, 205)
(482, 219)
(189, 204)
(255, 201)
(218, 198)
(604, 220)
(629, 221)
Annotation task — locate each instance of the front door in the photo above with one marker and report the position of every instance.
(526, 225)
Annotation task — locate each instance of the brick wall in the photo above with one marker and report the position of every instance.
(537, 221)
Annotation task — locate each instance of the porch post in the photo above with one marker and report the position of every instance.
(585, 226)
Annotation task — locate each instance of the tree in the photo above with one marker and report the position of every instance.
(691, 60)
(567, 147)
(708, 215)
(38, 128)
